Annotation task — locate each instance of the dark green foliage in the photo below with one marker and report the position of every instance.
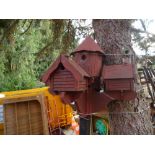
(28, 47)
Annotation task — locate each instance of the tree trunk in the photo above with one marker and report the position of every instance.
(114, 37)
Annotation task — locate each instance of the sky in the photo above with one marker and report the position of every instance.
(150, 28)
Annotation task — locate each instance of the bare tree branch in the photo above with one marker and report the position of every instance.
(141, 31)
(143, 25)
(24, 22)
(27, 27)
(41, 52)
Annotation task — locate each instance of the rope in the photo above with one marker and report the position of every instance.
(124, 112)
(85, 118)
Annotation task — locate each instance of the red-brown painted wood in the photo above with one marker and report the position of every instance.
(66, 75)
(119, 81)
(80, 77)
(91, 64)
(88, 45)
(89, 56)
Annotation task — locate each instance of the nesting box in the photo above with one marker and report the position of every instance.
(89, 56)
(66, 75)
(119, 81)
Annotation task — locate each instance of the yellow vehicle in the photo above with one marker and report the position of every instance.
(1, 129)
(58, 114)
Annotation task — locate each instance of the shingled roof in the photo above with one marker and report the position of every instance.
(88, 45)
(69, 64)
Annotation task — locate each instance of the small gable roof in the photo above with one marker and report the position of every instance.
(88, 45)
(69, 64)
(124, 71)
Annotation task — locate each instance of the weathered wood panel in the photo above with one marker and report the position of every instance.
(25, 117)
(63, 80)
(119, 85)
(90, 62)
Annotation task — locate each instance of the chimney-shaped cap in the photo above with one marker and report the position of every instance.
(88, 45)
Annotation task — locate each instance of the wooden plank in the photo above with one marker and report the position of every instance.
(16, 117)
(63, 73)
(28, 116)
(62, 84)
(64, 87)
(63, 76)
(69, 89)
(64, 80)
(118, 85)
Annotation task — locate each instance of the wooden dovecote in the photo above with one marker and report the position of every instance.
(119, 81)
(85, 79)
(66, 75)
(89, 56)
